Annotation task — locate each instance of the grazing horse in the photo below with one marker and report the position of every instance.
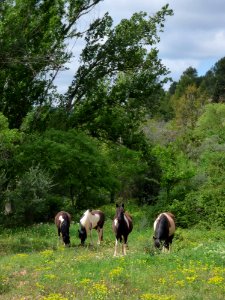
(92, 219)
(164, 228)
(62, 222)
(122, 226)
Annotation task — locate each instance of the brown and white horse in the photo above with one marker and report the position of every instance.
(62, 222)
(164, 229)
(122, 227)
(92, 219)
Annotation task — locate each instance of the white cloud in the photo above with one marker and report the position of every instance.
(194, 36)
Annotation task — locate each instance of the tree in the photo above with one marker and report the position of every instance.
(205, 200)
(29, 197)
(120, 79)
(214, 82)
(126, 167)
(73, 161)
(176, 168)
(129, 48)
(9, 143)
(191, 105)
(123, 57)
(33, 39)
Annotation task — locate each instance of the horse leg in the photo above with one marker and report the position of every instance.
(91, 237)
(124, 245)
(59, 234)
(166, 246)
(116, 245)
(170, 239)
(100, 235)
(165, 249)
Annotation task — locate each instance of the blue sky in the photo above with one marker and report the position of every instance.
(193, 36)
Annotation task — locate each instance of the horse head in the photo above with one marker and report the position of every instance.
(157, 242)
(120, 212)
(65, 233)
(82, 234)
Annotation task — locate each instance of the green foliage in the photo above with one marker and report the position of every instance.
(9, 143)
(176, 167)
(189, 77)
(189, 107)
(93, 145)
(211, 123)
(194, 175)
(33, 45)
(109, 52)
(28, 198)
(71, 158)
(126, 167)
(213, 81)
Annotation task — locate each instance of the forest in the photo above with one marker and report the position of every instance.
(116, 134)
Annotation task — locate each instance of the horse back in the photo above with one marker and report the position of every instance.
(171, 220)
(101, 218)
(164, 224)
(62, 215)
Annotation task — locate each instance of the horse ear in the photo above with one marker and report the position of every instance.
(123, 205)
(117, 205)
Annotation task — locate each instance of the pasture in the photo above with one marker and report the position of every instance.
(34, 265)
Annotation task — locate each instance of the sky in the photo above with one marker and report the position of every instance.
(194, 36)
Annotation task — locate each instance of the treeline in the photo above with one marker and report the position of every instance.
(116, 134)
(188, 140)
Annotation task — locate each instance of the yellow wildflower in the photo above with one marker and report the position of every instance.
(47, 252)
(149, 296)
(216, 280)
(115, 272)
(180, 282)
(54, 297)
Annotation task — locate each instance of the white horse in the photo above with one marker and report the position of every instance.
(92, 219)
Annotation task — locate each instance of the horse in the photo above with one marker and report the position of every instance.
(92, 219)
(62, 222)
(164, 229)
(122, 226)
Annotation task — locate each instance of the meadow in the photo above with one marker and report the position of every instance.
(35, 265)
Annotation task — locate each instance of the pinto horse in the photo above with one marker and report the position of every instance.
(62, 222)
(122, 225)
(92, 219)
(164, 229)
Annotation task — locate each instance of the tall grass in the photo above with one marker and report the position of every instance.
(35, 265)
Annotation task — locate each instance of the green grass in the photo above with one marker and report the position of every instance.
(34, 265)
